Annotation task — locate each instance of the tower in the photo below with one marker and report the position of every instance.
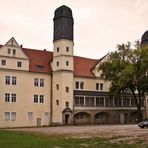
(144, 39)
(62, 86)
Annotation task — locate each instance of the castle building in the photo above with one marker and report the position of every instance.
(41, 88)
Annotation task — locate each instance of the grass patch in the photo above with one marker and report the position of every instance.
(11, 139)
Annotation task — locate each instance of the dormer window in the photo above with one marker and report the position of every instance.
(39, 67)
(14, 52)
(9, 50)
(67, 49)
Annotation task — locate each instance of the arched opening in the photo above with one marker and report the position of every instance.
(134, 116)
(82, 118)
(101, 118)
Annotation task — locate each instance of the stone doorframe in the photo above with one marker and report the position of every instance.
(67, 116)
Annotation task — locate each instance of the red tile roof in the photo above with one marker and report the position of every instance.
(83, 66)
(39, 61)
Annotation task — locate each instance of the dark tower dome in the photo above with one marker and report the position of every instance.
(63, 23)
(63, 11)
(144, 39)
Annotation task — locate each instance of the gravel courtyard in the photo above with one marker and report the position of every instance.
(130, 133)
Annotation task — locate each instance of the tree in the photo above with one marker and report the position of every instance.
(127, 70)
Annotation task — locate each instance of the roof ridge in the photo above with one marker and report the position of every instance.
(86, 58)
(37, 50)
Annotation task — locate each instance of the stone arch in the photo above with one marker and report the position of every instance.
(101, 118)
(134, 116)
(82, 118)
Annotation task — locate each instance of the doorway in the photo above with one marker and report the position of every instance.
(67, 118)
(38, 121)
(122, 118)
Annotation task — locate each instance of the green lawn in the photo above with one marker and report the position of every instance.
(11, 139)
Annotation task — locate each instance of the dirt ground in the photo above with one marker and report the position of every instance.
(128, 133)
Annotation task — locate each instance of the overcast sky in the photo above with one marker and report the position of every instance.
(99, 25)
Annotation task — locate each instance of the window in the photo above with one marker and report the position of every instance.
(67, 89)
(58, 49)
(38, 98)
(10, 80)
(67, 104)
(19, 64)
(13, 116)
(108, 101)
(67, 49)
(57, 63)
(9, 50)
(13, 80)
(57, 86)
(57, 102)
(7, 80)
(14, 51)
(99, 86)
(67, 63)
(10, 97)
(41, 82)
(10, 116)
(36, 83)
(7, 116)
(13, 97)
(41, 98)
(3, 62)
(100, 101)
(89, 101)
(35, 98)
(46, 114)
(39, 67)
(79, 85)
(79, 101)
(30, 115)
(7, 97)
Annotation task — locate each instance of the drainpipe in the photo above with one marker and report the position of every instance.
(51, 99)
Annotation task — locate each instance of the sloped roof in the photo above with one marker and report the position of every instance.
(83, 66)
(39, 61)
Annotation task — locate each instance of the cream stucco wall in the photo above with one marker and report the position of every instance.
(62, 76)
(25, 91)
(19, 52)
(12, 59)
(63, 79)
(62, 44)
(90, 83)
(11, 63)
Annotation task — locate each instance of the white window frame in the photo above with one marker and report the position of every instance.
(80, 85)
